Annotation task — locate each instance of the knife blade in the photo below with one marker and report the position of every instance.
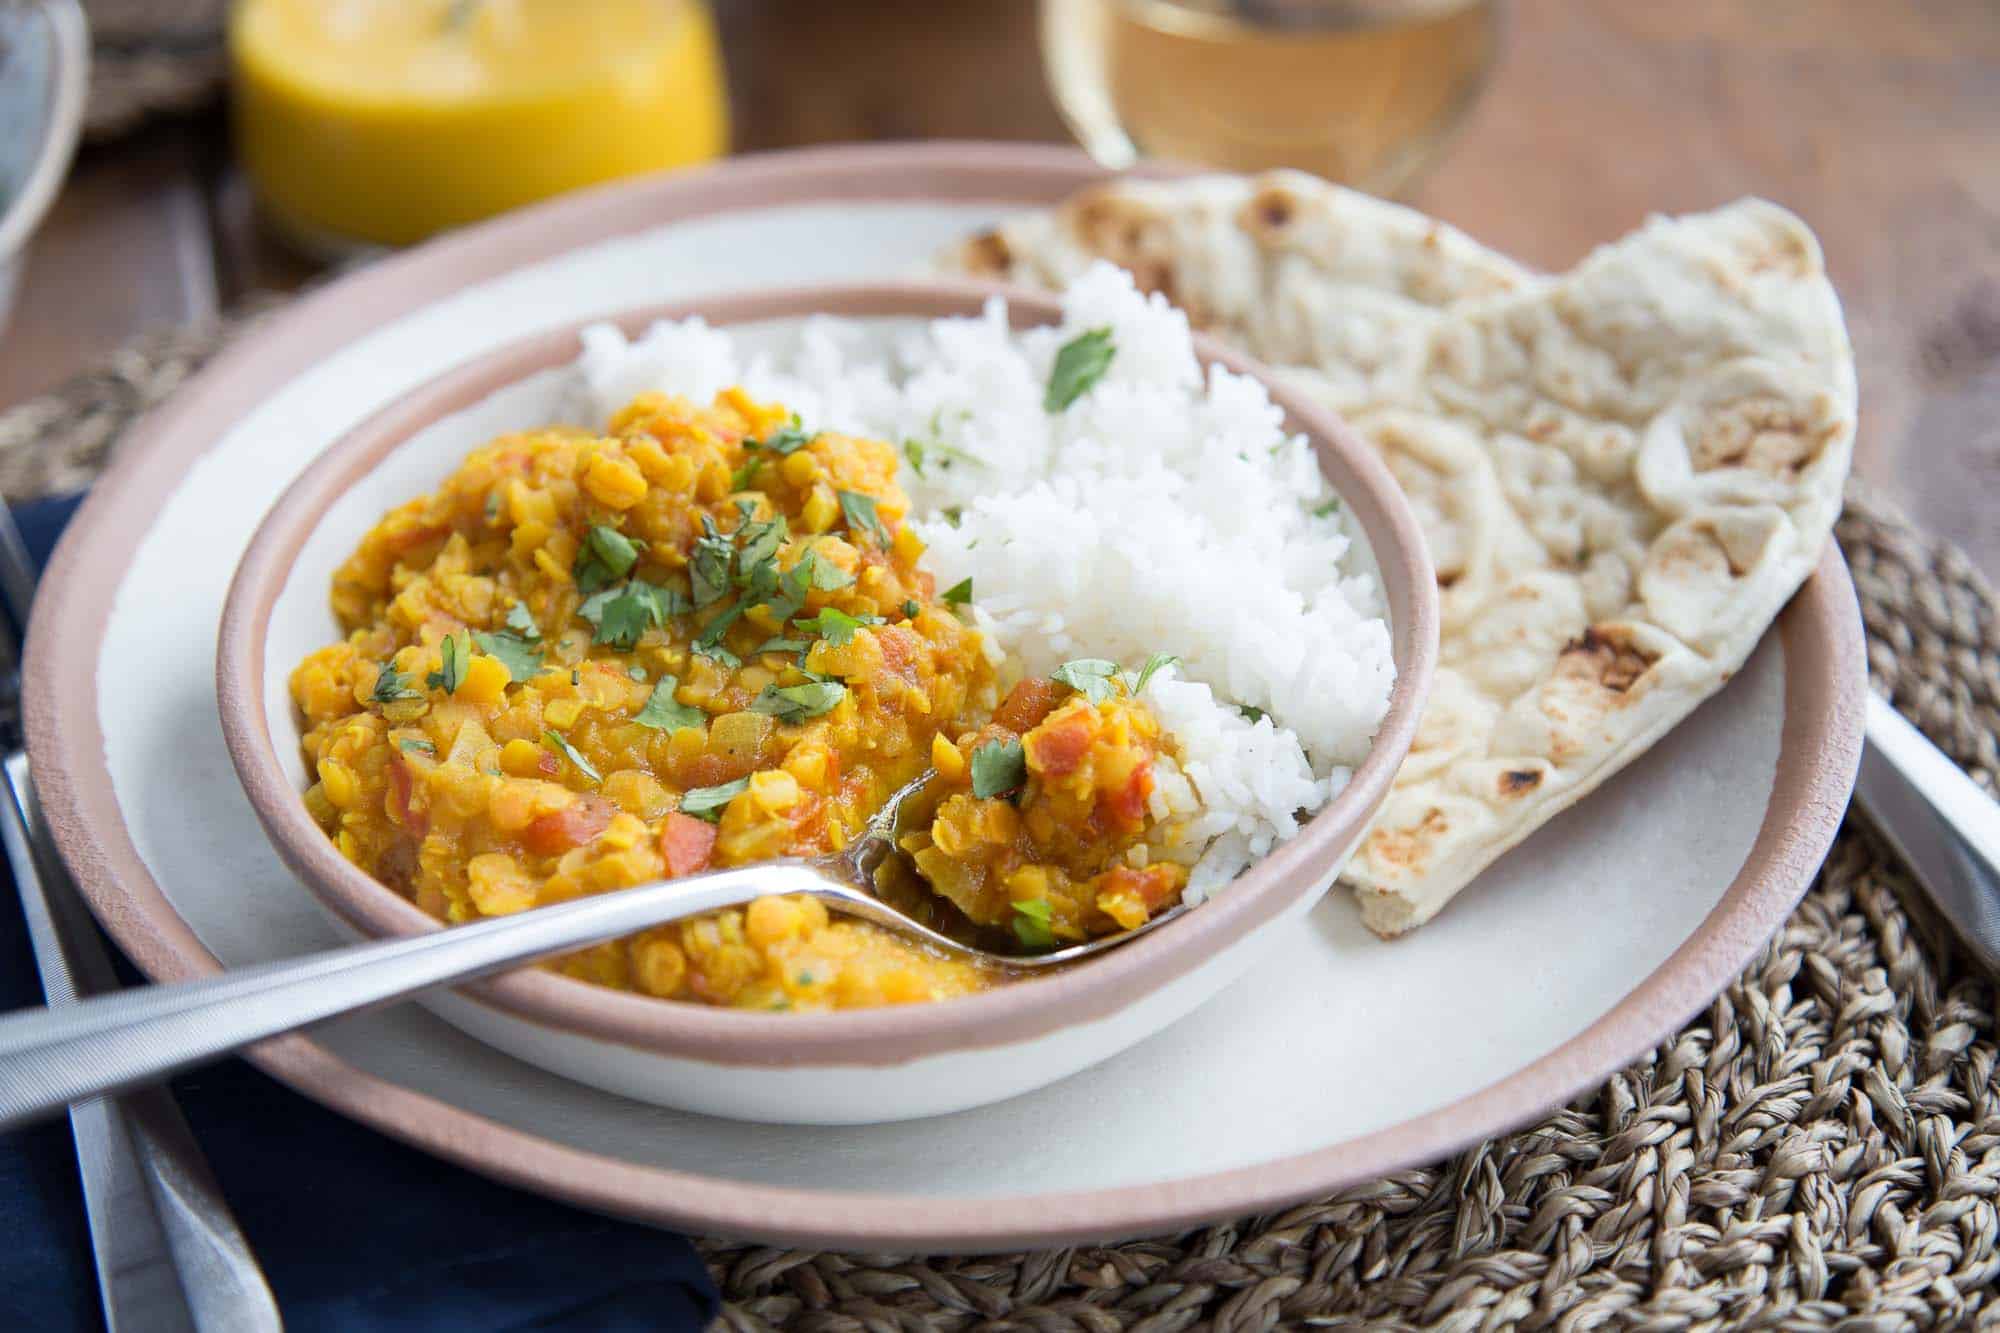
(169, 1254)
(1938, 820)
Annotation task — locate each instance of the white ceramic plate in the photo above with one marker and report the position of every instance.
(1340, 1058)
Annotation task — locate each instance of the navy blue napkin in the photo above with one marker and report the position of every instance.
(354, 1230)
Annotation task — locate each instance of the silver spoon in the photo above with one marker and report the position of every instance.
(52, 1057)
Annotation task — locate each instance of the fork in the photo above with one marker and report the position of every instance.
(148, 1194)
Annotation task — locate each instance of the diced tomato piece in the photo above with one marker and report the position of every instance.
(1151, 886)
(572, 826)
(402, 786)
(1026, 705)
(1055, 750)
(1127, 805)
(712, 770)
(687, 843)
(899, 650)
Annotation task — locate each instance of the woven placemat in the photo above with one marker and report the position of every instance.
(1819, 1148)
(150, 57)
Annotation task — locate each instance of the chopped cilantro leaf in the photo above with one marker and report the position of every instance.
(522, 622)
(555, 741)
(606, 556)
(1329, 508)
(707, 802)
(1080, 363)
(709, 643)
(391, 685)
(493, 507)
(709, 564)
(910, 609)
(1153, 664)
(811, 572)
(835, 626)
(784, 645)
(959, 593)
(1089, 676)
(637, 673)
(859, 511)
(451, 667)
(998, 767)
(665, 713)
(740, 479)
(796, 703)
(785, 441)
(1031, 924)
(409, 745)
(914, 451)
(759, 543)
(1254, 714)
(521, 657)
(953, 514)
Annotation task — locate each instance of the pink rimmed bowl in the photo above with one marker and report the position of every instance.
(840, 1068)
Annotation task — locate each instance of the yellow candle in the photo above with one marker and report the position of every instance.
(388, 120)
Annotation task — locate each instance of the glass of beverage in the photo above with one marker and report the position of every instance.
(1364, 92)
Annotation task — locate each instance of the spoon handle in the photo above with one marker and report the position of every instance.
(52, 1057)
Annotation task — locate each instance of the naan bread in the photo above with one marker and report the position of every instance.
(1624, 472)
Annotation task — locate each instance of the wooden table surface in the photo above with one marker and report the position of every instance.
(1876, 120)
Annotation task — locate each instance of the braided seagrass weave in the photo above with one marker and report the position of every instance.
(1819, 1148)
(150, 57)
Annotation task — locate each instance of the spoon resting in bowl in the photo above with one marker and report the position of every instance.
(52, 1057)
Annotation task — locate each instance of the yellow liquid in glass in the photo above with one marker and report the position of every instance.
(389, 120)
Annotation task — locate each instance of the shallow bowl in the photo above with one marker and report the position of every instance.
(848, 1067)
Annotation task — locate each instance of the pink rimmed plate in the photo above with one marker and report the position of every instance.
(1338, 1058)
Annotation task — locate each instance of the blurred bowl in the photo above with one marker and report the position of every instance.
(44, 70)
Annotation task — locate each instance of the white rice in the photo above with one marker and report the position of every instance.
(1163, 511)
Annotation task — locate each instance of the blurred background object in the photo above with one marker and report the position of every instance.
(1363, 92)
(387, 121)
(1878, 123)
(44, 67)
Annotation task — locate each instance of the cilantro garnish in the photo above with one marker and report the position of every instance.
(665, 713)
(1330, 507)
(813, 572)
(919, 450)
(409, 745)
(784, 645)
(759, 543)
(910, 609)
(554, 740)
(1089, 676)
(959, 593)
(785, 441)
(606, 556)
(1254, 714)
(513, 651)
(637, 673)
(1153, 663)
(391, 685)
(796, 703)
(620, 616)
(835, 626)
(493, 506)
(859, 511)
(707, 802)
(1080, 363)
(709, 563)
(1031, 924)
(953, 514)
(998, 767)
(709, 644)
(522, 622)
